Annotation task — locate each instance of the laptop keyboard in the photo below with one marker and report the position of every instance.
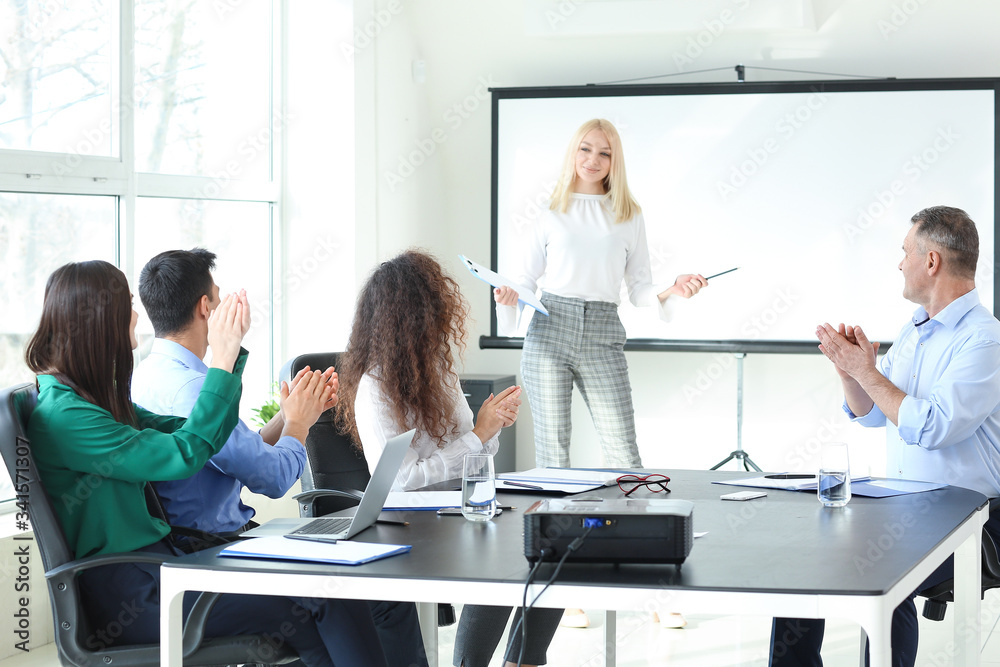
(329, 526)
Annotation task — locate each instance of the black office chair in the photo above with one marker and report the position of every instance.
(71, 625)
(336, 471)
(939, 596)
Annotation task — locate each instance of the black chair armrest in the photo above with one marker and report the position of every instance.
(74, 567)
(310, 496)
(194, 625)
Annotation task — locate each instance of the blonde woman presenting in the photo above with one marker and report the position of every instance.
(591, 239)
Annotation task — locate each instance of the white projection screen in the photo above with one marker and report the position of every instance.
(808, 187)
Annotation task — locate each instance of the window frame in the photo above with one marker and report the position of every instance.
(40, 172)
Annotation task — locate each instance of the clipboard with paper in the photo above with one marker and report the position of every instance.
(524, 295)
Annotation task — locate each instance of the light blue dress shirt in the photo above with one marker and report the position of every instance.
(949, 421)
(167, 382)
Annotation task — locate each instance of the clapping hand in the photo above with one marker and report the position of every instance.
(497, 412)
(227, 325)
(848, 348)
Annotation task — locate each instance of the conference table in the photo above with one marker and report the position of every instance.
(782, 555)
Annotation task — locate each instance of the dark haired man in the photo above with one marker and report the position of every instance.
(937, 392)
(179, 293)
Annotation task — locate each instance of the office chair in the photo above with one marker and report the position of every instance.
(336, 471)
(61, 570)
(939, 596)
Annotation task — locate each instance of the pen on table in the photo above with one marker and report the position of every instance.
(721, 274)
(393, 522)
(506, 507)
(523, 485)
(313, 538)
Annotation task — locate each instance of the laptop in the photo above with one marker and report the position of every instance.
(346, 527)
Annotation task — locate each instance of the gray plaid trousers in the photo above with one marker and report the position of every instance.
(582, 342)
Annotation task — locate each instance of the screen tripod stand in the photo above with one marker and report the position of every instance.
(738, 454)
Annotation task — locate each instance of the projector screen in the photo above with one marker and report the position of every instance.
(808, 187)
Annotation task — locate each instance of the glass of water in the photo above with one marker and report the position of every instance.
(479, 491)
(834, 475)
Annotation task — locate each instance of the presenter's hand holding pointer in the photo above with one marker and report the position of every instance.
(686, 286)
(505, 296)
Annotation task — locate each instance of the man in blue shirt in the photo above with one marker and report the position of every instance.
(937, 392)
(178, 292)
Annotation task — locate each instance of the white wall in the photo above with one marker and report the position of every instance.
(685, 402)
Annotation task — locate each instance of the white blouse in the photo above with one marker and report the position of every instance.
(583, 254)
(425, 462)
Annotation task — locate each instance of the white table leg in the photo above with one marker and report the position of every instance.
(171, 621)
(610, 638)
(428, 614)
(967, 604)
(878, 627)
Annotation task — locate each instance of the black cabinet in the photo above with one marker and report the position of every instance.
(476, 388)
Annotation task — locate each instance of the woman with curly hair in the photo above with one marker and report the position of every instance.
(398, 373)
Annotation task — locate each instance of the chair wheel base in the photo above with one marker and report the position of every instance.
(935, 610)
(446, 615)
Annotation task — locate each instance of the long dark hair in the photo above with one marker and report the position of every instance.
(409, 320)
(83, 337)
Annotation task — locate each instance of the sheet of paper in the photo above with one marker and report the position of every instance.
(563, 475)
(524, 295)
(546, 487)
(884, 488)
(422, 500)
(344, 552)
(865, 487)
(784, 481)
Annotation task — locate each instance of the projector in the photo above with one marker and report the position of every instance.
(621, 530)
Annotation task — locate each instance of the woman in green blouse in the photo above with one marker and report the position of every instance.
(96, 450)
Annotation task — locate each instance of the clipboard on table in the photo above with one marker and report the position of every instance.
(524, 295)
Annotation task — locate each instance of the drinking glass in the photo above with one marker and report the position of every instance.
(479, 493)
(834, 488)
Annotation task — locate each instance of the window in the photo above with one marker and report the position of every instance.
(57, 69)
(131, 127)
(239, 233)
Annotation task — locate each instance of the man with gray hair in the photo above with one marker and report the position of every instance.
(937, 392)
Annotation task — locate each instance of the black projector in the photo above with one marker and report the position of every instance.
(622, 530)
